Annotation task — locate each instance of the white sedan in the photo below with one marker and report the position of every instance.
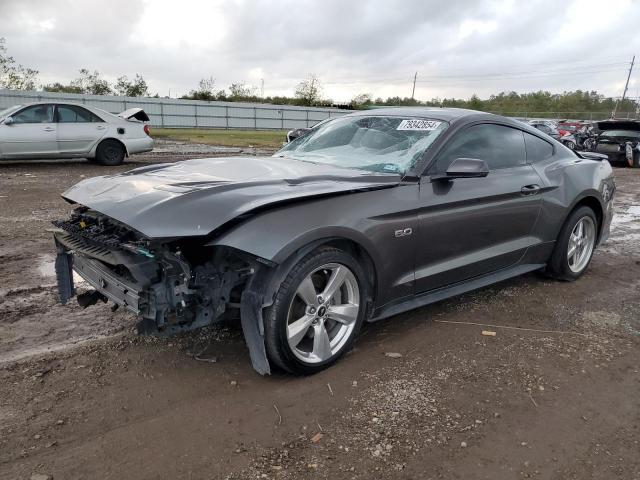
(67, 130)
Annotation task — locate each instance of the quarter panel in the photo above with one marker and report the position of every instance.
(568, 180)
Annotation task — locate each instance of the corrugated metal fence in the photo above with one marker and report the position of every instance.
(173, 113)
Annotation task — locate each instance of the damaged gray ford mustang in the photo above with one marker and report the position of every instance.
(366, 216)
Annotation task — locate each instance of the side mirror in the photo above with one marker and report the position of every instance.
(297, 133)
(464, 168)
(8, 121)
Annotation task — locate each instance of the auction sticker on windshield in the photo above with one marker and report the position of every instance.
(418, 125)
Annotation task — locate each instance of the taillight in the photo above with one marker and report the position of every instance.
(146, 129)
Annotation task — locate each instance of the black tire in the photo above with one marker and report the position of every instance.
(276, 317)
(558, 266)
(635, 162)
(569, 144)
(110, 153)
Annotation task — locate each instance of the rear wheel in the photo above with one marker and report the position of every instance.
(574, 246)
(570, 145)
(317, 313)
(110, 152)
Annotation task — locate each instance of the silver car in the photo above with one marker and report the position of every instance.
(67, 130)
(546, 126)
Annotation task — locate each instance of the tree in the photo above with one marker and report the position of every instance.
(360, 101)
(309, 91)
(239, 91)
(475, 103)
(131, 88)
(61, 88)
(205, 91)
(13, 75)
(91, 83)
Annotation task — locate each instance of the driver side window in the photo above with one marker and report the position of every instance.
(499, 146)
(34, 114)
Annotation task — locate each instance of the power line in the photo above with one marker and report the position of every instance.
(531, 72)
(516, 77)
(564, 70)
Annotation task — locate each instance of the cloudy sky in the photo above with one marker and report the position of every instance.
(458, 47)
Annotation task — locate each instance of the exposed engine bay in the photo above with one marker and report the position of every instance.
(170, 286)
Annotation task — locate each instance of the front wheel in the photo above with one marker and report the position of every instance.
(570, 145)
(574, 246)
(317, 313)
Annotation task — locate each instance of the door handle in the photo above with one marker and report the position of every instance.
(100, 127)
(530, 189)
(49, 129)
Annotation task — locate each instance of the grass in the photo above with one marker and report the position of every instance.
(226, 138)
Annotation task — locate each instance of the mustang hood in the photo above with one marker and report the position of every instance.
(195, 197)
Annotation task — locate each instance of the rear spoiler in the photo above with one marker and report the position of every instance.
(135, 114)
(592, 156)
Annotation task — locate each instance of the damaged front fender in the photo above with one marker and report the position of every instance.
(258, 296)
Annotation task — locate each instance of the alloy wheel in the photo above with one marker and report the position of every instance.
(323, 313)
(581, 243)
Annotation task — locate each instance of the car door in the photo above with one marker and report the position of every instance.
(78, 129)
(473, 226)
(30, 134)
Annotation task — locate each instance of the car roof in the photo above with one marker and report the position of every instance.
(618, 125)
(435, 113)
(50, 102)
(457, 115)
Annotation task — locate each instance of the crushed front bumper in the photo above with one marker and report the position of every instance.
(91, 261)
(115, 288)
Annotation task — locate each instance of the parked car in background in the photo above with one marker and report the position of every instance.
(547, 127)
(619, 140)
(297, 133)
(583, 139)
(550, 123)
(566, 127)
(68, 130)
(367, 216)
(301, 132)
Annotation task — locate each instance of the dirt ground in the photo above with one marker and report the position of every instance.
(554, 395)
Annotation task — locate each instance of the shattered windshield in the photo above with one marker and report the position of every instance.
(388, 144)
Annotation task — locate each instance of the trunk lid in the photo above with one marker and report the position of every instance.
(134, 114)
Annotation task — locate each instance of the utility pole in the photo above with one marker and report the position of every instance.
(262, 88)
(413, 92)
(626, 86)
